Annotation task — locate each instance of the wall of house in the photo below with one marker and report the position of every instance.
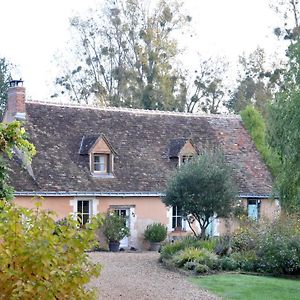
(142, 211)
(60, 205)
(269, 209)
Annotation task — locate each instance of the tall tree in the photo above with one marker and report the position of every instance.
(209, 87)
(5, 77)
(125, 55)
(256, 84)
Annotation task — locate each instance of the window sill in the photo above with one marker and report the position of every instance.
(109, 175)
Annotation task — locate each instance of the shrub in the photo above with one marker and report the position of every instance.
(223, 246)
(155, 233)
(190, 265)
(201, 256)
(228, 264)
(170, 249)
(115, 228)
(247, 260)
(201, 269)
(279, 254)
(38, 262)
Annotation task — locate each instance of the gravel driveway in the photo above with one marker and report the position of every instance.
(140, 276)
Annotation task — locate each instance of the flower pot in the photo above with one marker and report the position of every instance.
(114, 246)
(154, 246)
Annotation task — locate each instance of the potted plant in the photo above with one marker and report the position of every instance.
(155, 233)
(115, 230)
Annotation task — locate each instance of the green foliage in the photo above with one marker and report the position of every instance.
(203, 188)
(38, 261)
(201, 269)
(155, 233)
(170, 249)
(255, 125)
(284, 136)
(12, 136)
(201, 256)
(115, 228)
(269, 247)
(190, 265)
(228, 264)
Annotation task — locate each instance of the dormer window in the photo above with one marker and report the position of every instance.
(182, 150)
(185, 158)
(101, 155)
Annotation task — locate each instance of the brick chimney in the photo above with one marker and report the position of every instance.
(15, 109)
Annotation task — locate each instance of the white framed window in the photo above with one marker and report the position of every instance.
(177, 219)
(84, 211)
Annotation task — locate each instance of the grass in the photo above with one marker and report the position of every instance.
(244, 287)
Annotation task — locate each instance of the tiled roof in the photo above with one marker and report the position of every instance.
(142, 140)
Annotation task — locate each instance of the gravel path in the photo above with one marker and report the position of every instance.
(140, 276)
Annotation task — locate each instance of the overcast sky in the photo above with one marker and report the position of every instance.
(32, 31)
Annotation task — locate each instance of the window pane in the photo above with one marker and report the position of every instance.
(100, 162)
(252, 211)
(179, 222)
(79, 206)
(85, 207)
(173, 222)
(85, 219)
(174, 208)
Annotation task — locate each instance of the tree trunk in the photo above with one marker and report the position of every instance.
(203, 233)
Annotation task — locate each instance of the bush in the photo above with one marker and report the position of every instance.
(247, 260)
(201, 269)
(170, 249)
(190, 265)
(39, 262)
(155, 233)
(269, 247)
(201, 256)
(115, 228)
(228, 264)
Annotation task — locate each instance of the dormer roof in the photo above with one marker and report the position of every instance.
(88, 142)
(176, 146)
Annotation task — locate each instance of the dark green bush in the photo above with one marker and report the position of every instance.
(155, 233)
(201, 269)
(228, 264)
(190, 265)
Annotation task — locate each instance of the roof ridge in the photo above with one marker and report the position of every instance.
(132, 110)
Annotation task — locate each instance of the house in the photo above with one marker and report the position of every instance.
(90, 160)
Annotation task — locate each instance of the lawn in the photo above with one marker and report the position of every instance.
(244, 287)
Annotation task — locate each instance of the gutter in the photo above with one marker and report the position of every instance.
(121, 194)
(90, 194)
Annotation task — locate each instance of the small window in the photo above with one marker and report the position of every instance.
(177, 217)
(253, 209)
(83, 211)
(101, 163)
